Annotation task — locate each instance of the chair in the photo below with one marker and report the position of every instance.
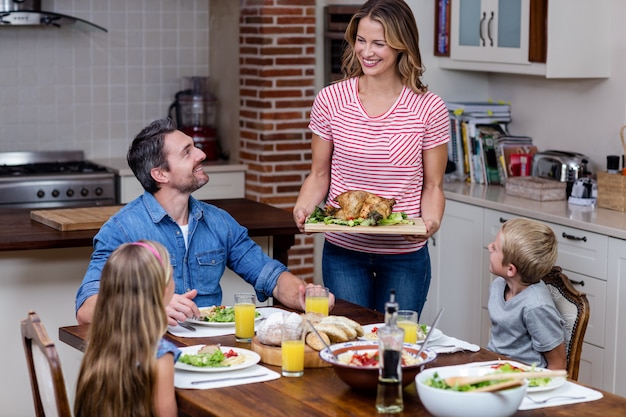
(44, 367)
(574, 308)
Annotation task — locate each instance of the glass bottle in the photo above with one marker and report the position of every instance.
(390, 341)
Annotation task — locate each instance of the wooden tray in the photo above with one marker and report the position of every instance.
(84, 218)
(418, 228)
(271, 355)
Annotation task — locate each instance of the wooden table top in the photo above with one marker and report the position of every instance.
(19, 232)
(321, 393)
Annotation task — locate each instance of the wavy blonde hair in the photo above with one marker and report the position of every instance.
(529, 245)
(118, 372)
(401, 34)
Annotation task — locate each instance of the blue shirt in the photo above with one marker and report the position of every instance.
(165, 346)
(215, 241)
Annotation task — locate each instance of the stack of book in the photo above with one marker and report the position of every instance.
(481, 147)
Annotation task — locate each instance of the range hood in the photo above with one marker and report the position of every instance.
(29, 13)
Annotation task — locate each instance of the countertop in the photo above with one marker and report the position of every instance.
(593, 219)
(19, 232)
(120, 167)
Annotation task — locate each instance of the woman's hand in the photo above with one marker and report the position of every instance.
(300, 215)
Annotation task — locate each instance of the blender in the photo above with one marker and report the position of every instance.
(194, 110)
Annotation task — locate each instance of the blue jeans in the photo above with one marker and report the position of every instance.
(366, 278)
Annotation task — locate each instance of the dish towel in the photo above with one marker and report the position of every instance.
(209, 331)
(256, 373)
(449, 344)
(560, 396)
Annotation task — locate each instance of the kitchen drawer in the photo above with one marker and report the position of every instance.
(582, 251)
(596, 294)
(493, 221)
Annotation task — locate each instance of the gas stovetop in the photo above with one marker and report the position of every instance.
(51, 179)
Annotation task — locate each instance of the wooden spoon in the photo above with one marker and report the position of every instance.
(499, 386)
(469, 380)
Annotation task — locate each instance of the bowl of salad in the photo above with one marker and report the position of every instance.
(357, 363)
(442, 400)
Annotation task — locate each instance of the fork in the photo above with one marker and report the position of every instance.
(186, 326)
(562, 397)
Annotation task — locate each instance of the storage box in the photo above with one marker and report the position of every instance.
(612, 191)
(535, 188)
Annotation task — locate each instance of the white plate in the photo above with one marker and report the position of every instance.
(215, 323)
(252, 358)
(367, 329)
(553, 384)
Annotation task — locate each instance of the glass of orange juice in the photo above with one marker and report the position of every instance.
(316, 300)
(407, 319)
(245, 310)
(292, 349)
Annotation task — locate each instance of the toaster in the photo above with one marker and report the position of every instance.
(562, 166)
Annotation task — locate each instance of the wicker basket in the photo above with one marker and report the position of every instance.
(612, 191)
(535, 188)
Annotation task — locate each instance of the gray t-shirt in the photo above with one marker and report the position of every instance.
(525, 325)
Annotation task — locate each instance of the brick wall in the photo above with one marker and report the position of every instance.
(277, 66)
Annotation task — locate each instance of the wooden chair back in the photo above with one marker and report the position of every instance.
(44, 367)
(574, 308)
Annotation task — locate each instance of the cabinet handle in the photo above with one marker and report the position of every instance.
(434, 241)
(581, 282)
(502, 220)
(489, 29)
(572, 237)
(480, 29)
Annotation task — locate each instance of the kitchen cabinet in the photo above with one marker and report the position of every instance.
(615, 360)
(550, 38)
(455, 266)
(490, 30)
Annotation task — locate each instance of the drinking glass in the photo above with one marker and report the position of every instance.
(292, 349)
(317, 300)
(245, 310)
(407, 319)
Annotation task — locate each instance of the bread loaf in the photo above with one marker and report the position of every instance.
(270, 331)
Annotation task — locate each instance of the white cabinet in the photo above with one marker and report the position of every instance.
(615, 359)
(456, 267)
(490, 30)
(563, 39)
(229, 184)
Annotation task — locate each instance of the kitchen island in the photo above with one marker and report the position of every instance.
(42, 269)
(592, 253)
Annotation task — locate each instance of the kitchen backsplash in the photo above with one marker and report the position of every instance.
(67, 89)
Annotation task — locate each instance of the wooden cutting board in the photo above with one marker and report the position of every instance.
(272, 355)
(84, 218)
(418, 228)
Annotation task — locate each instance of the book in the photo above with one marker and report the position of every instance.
(501, 112)
(515, 154)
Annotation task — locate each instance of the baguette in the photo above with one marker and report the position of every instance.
(336, 334)
(314, 341)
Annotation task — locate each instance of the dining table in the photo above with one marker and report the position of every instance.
(320, 392)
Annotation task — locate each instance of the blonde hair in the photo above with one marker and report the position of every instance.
(118, 372)
(401, 34)
(529, 245)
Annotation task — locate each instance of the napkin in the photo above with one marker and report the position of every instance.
(449, 344)
(568, 389)
(208, 331)
(183, 379)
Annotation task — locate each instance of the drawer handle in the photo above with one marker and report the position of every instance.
(572, 237)
(581, 282)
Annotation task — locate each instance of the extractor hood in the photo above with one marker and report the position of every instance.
(29, 13)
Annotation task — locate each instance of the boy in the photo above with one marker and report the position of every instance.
(525, 324)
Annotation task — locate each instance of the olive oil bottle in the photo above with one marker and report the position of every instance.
(390, 340)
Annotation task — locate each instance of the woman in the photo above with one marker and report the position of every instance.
(379, 130)
(128, 369)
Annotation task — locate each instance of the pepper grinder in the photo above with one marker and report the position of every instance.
(390, 341)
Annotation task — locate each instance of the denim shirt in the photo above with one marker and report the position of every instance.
(216, 241)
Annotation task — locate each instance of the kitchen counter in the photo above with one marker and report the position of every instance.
(19, 232)
(593, 219)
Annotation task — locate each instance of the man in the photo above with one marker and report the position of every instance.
(202, 239)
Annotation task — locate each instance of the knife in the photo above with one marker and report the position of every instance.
(232, 378)
(186, 326)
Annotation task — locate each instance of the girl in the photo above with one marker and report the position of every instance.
(128, 368)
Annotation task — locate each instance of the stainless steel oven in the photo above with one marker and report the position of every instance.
(53, 179)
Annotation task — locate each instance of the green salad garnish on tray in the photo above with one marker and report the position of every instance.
(320, 216)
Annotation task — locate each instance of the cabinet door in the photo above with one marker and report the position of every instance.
(615, 359)
(590, 371)
(457, 274)
(490, 30)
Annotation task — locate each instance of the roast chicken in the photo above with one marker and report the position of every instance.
(362, 204)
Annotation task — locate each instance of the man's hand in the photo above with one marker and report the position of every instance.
(302, 296)
(182, 307)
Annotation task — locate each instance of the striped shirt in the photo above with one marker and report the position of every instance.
(382, 154)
